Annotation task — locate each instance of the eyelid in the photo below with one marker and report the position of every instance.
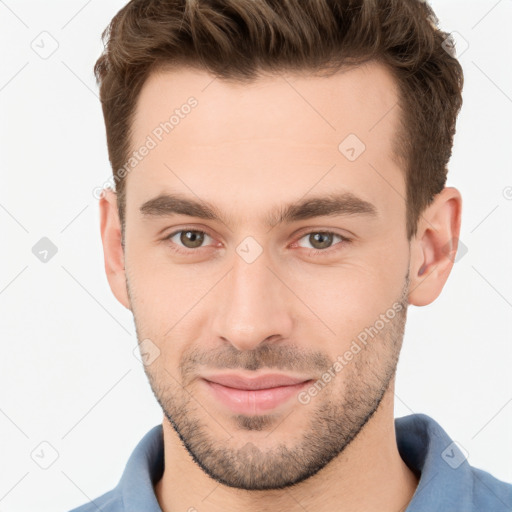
(348, 235)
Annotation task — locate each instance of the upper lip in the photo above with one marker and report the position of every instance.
(261, 382)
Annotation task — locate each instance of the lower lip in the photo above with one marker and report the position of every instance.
(253, 401)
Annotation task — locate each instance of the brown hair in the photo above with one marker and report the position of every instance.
(237, 39)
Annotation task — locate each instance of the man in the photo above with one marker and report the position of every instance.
(280, 200)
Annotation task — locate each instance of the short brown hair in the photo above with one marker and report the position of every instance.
(237, 39)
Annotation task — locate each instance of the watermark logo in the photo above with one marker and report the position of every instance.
(249, 249)
(146, 352)
(45, 45)
(454, 455)
(44, 250)
(44, 455)
(455, 44)
(352, 147)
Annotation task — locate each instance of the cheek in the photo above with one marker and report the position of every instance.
(342, 301)
(166, 299)
(347, 298)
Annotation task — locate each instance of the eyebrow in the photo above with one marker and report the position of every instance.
(336, 204)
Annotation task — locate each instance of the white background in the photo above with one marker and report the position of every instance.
(67, 370)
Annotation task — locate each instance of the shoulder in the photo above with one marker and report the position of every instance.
(145, 465)
(490, 493)
(111, 501)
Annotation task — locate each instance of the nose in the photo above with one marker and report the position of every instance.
(253, 305)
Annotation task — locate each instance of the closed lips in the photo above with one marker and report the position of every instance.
(256, 383)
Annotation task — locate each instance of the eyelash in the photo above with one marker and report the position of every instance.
(312, 252)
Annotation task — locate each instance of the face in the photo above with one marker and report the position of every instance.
(265, 234)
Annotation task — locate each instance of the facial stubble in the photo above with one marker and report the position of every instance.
(336, 416)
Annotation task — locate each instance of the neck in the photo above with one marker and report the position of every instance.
(369, 475)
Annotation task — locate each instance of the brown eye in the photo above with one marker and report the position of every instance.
(190, 239)
(322, 241)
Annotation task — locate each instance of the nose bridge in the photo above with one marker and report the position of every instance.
(252, 305)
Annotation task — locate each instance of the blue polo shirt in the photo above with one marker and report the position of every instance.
(447, 481)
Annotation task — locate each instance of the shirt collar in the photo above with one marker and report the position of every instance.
(445, 475)
(143, 470)
(446, 481)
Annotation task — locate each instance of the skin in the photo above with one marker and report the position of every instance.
(248, 149)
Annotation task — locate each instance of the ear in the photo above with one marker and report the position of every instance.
(434, 247)
(112, 248)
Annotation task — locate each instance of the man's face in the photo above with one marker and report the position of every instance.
(244, 294)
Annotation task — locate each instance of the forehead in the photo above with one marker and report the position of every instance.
(279, 136)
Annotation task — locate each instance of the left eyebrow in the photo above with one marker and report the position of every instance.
(336, 204)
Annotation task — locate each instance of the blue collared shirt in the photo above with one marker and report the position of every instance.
(447, 481)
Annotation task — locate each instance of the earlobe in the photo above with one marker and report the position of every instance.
(110, 227)
(434, 247)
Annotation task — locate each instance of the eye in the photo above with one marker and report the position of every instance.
(321, 241)
(184, 241)
(188, 238)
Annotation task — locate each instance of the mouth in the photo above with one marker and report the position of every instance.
(256, 395)
(267, 381)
